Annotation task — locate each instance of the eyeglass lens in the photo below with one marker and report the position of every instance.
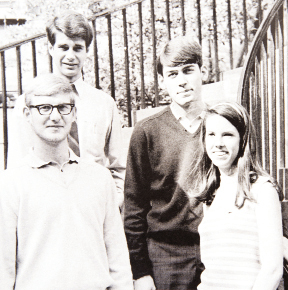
(63, 109)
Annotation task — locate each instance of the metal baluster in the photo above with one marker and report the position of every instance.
(128, 94)
(215, 42)
(34, 62)
(154, 53)
(96, 63)
(19, 71)
(183, 17)
(245, 28)
(230, 34)
(199, 21)
(112, 82)
(168, 19)
(4, 91)
(143, 103)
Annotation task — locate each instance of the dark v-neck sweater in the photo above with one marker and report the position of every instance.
(155, 205)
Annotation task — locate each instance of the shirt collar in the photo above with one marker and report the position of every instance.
(202, 115)
(36, 162)
(180, 113)
(177, 111)
(78, 83)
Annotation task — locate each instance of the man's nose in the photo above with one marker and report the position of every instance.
(182, 79)
(55, 115)
(70, 54)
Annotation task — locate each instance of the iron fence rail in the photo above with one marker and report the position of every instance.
(109, 15)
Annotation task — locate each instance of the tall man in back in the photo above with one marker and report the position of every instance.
(99, 129)
(160, 222)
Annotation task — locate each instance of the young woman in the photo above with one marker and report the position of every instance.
(241, 232)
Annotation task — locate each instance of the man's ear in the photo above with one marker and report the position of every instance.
(27, 114)
(50, 48)
(161, 82)
(204, 73)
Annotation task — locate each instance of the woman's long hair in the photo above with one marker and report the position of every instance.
(204, 177)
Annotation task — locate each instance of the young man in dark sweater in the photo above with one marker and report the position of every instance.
(160, 221)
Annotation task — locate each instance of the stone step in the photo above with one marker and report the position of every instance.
(225, 90)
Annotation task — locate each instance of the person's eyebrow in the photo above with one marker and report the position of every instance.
(171, 70)
(79, 46)
(190, 65)
(62, 45)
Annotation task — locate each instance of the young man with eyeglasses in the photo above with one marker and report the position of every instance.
(60, 226)
(69, 38)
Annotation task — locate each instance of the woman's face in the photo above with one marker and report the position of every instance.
(222, 141)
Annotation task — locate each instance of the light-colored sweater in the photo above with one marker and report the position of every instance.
(61, 235)
(99, 129)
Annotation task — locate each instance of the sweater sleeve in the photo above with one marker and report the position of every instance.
(137, 202)
(115, 242)
(8, 235)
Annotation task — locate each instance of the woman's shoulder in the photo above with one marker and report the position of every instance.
(261, 180)
(264, 187)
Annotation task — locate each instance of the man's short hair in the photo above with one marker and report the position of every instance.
(72, 24)
(49, 85)
(179, 51)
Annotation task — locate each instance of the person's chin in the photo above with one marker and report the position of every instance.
(186, 102)
(55, 138)
(70, 72)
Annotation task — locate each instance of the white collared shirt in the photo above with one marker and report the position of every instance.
(180, 114)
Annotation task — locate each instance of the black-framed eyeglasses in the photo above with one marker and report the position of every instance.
(63, 109)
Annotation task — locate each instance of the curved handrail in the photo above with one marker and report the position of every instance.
(243, 88)
(263, 91)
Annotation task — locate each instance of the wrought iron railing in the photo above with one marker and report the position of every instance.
(146, 37)
(263, 90)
